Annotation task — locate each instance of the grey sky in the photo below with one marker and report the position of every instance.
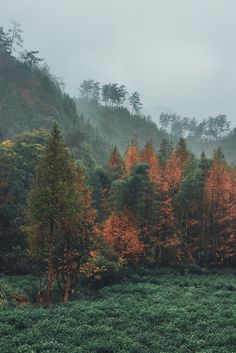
(180, 54)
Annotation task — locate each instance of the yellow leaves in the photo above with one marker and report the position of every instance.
(8, 143)
(90, 269)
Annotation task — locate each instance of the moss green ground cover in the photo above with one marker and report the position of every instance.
(166, 313)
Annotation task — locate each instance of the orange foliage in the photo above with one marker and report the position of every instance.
(182, 154)
(132, 157)
(115, 163)
(150, 157)
(171, 174)
(220, 212)
(122, 234)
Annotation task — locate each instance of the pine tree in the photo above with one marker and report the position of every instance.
(135, 103)
(220, 213)
(115, 164)
(182, 153)
(132, 157)
(150, 157)
(165, 151)
(168, 238)
(53, 209)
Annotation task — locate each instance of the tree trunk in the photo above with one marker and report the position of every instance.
(50, 275)
(50, 267)
(67, 287)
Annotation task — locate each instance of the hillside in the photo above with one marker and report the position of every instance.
(119, 126)
(31, 98)
(227, 144)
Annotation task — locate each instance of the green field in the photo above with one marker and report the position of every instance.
(161, 313)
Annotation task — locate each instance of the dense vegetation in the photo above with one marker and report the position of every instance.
(151, 313)
(117, 218)
(117, 115)
(75, 210)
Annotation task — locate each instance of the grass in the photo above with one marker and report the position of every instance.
(165, 313)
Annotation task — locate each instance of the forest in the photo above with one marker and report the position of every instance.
(97, 201)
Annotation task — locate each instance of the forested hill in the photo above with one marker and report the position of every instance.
(121, 123)
(31, 98)
(227, 145)
(118, 125)
(101, 118)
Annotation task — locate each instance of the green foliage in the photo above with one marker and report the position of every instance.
(135, 102)
(153, 313)
(212, 128)
(17, 261)
(113, 94)
(165, 150)
(108, 271)
(90, 91)
(18, 159)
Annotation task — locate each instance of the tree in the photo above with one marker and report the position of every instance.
(135, 102)
(30, 58)
(77, 239)
(53, 204)
(18, 159)
(115, 164)
(113, 94)
(217, 127)
(122, 234)
(165, 151)
(15, 35)
(5, 42)
(132, 157)
(182, 153)
(218, 155)
(100, 184)
(150, 157)
(189, 211)
(175, 124)
(168, 243)
(220, 213)
(90, 91)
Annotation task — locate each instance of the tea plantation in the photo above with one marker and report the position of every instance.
(148, 314)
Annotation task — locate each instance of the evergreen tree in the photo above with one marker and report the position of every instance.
(5, 42)
(135, 103)
(15, 35)
(53, 206)
(165, 151)
(182, 153)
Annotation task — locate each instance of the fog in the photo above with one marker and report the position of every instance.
(180, 55)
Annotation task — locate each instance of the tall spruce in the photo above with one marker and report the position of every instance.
(53, 205)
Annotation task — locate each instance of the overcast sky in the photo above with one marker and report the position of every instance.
(180, 54)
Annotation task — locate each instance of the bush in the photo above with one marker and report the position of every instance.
(100, 271)
(10, 296)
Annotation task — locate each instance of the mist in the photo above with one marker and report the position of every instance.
(180, 56)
